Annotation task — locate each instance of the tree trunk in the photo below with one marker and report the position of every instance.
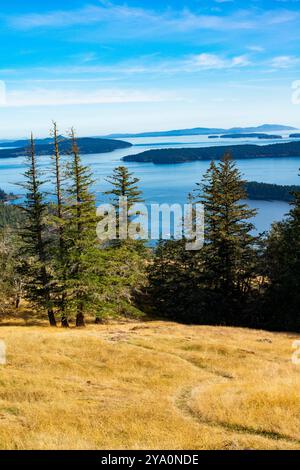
(17, 302)
(80, 322)
(51, 317)
(98, 321)
(65, 322)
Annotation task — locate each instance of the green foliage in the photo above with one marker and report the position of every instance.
(281, 303)
(10, 216)
(213, 284)
(83, 250)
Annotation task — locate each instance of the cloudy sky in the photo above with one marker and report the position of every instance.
(107, 66)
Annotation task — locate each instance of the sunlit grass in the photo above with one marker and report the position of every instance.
(148, 385)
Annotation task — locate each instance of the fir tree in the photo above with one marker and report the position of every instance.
(229, 244)
(35, 240)
(124, 185)
(281, 303)
(60, 248)
(83, 249)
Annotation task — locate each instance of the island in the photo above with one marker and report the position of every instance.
(270, 192)
(183, 155)
(251, 136)
(4, 197)
(87, 145)
(295, 136)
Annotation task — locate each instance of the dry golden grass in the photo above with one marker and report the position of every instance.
(148, 385)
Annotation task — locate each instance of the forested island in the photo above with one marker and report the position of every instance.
(251, 136)
(87, 145)
(270, 192)
(182, 155)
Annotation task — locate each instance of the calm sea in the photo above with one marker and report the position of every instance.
(172, 183)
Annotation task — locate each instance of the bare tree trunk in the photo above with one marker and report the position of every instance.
(80, 321)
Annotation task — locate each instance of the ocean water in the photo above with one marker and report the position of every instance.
(172, 183)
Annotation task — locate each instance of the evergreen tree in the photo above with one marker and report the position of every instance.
(81, 232)
(59, 218)
(35, 240)
(175, 282)
(281, 304)
(229, 245)
(125, 259)
(124, 185)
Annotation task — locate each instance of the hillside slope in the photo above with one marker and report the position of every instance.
(148, 385)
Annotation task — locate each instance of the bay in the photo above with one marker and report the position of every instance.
(172, 183)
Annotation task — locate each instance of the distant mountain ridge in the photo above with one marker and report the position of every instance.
(207, 131)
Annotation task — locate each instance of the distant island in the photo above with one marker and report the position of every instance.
(270, 192)
(4, 197)
(207, 131)
(182, 155)
(251, 136)
(24, 142)
(295, 136)
(87, 145)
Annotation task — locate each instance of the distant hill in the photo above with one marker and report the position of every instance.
(182, 155)
(24, 142)
(87, 145)
(207, 131)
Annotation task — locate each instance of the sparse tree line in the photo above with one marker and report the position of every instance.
(55, 262)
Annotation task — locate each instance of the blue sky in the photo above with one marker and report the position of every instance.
(107, 66)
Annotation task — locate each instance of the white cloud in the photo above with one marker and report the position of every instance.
(284, 62)
(54, 96)
(125, 21)
(213, 61)
(256, 48)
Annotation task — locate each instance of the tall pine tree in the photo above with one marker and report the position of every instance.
(59, 218)
(36, 269)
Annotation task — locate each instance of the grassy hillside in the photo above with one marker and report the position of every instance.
(148, 385)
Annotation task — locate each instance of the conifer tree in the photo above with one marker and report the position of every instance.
(83, 249)
(124, 185)
(35, 240)
(60, 248)
(281, 305)
(229, 244)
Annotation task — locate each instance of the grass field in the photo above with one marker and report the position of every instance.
(148, 386)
